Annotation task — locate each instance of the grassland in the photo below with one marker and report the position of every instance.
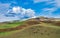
(10, 25)
(42, 30)
(34, 29)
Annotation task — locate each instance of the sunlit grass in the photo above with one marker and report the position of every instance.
(8, 33)
(11, 25)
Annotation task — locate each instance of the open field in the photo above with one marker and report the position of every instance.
(33, 29)
(10, 25)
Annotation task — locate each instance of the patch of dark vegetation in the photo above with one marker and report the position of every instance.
(33, 22)
(48, 34)
(45, 31)
(47, 21)
(56, 23)
(41, 33)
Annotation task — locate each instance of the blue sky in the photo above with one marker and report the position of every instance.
(23, 9)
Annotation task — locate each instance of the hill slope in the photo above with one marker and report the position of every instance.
(34, 28)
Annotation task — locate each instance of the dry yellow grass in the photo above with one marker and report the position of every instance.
(36, 31)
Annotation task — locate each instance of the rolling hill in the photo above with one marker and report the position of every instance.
(33, 28)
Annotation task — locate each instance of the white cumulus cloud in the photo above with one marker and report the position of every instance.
(16, 9)
(18, 13)
(22, 11)
(30, 12)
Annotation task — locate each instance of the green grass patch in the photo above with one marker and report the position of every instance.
(8, 33)
(10, 25)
